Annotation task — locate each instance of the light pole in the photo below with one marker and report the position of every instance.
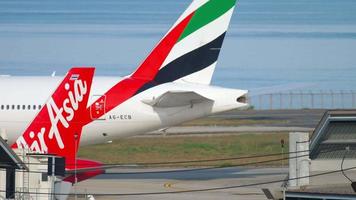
(282, 148)
(75, 162)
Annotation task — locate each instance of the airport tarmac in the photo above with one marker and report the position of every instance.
(125, 182)
(204, 130)
(187, 180)
(242, 177)
(286, 118)
(291, 120)
(304, 120)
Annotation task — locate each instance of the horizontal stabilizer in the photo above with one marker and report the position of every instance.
(176, 99)
(83, 169)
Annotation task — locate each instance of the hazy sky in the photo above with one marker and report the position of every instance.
(269, 42)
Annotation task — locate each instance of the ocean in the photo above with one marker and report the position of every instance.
(269, 43)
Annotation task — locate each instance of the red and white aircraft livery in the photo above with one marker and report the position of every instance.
(171, 86)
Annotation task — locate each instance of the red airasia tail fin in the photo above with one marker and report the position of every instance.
(57, 127)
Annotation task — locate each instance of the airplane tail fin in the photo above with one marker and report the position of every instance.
(57, 127)
(190, 49)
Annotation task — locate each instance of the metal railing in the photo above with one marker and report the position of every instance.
(305, 100)
(23, 193)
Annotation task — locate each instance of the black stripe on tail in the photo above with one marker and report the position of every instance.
(191, 62)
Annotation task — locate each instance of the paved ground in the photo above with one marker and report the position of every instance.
(142, 182)
(191, 130)
(283, 121)
(295, 118)
(189, 180)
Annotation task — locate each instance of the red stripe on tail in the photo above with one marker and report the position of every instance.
(150, 66)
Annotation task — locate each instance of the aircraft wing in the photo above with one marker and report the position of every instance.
(176, 98)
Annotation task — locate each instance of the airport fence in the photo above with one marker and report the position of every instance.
(305, 100)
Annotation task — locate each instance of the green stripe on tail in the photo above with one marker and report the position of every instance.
(207, 13)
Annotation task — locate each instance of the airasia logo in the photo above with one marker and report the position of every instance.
(57, 115)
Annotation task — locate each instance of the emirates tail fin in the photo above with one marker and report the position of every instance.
(190, 50)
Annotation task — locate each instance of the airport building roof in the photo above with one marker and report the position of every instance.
(335, 132)
(317, 196)
(8, 158)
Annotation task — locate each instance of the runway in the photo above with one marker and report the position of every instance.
(304, 120)
(186, 180)
(194, 130)
(285, 118)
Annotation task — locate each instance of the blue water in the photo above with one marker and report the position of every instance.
(269, 43)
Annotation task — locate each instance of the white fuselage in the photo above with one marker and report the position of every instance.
(21, 97)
